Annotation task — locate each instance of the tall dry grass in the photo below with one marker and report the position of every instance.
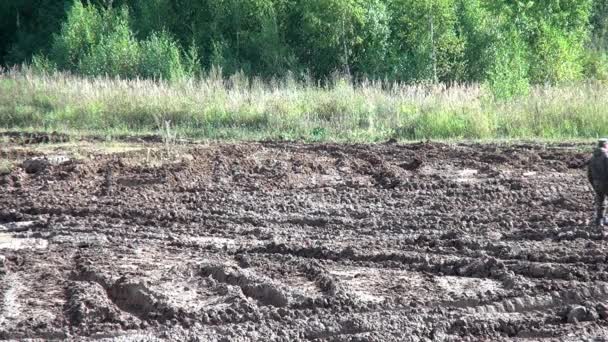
(239, 108)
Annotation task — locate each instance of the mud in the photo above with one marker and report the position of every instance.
(287, 242)
(29, 138)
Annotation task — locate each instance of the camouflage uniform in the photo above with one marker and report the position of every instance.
(598, 176)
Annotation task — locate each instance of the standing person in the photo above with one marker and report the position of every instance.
(598, 176)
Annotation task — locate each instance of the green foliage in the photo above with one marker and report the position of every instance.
(556, 57)
(340, 35)
(554, 31)
(271, 55)
(82, 31)
(475, 27)
(42, 64)
(596, 65)
(192, 61)
(116, 54)
(401, 40)
(26, 27)
(98, 41)
(508, 73)
(599, 25)
(161, 58)
(369, 57)
(424, 43)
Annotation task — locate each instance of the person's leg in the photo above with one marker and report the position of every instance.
(600, 199)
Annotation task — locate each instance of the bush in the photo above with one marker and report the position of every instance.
(42, 64)
(161, 58)
(508, 74)
(99, 42)
(82, 30)
(96, 42)
(557, 57)
(116, 55)
(595, 65)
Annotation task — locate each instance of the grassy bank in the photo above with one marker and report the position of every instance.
(238, 108)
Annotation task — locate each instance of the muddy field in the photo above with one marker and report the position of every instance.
(288, 242)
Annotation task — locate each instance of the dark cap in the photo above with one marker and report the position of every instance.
(602, 142)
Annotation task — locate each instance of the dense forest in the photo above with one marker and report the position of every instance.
(508, 43)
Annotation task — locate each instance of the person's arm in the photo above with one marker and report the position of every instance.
(605, 168)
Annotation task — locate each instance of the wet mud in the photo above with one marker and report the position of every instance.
(303, 242)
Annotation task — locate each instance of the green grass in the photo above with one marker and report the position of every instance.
(241, 109)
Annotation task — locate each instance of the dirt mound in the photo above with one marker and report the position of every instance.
(284, 241)
(31, 138)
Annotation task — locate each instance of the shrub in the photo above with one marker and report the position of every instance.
(595, 65)
(508, 74)
(557, 56)
(42, 64)
(81, 31)
(116, 55)
(161, 58)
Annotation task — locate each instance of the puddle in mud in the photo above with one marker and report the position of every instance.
(8, 241)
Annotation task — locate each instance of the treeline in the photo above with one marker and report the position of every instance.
(508, 43)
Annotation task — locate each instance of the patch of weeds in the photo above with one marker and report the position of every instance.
(6, 167)
(318, 133)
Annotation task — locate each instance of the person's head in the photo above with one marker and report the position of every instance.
(603, 143)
